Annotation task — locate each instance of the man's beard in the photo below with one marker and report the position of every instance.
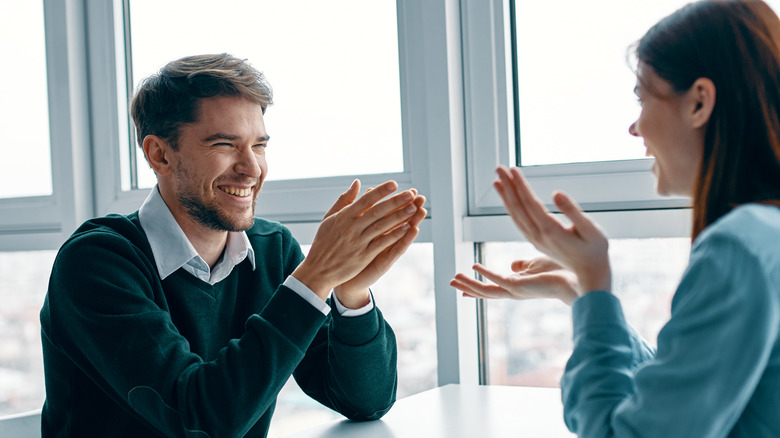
(213, 218)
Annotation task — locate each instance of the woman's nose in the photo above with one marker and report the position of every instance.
(632, 130)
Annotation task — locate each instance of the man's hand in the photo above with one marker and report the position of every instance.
(359, 239)
(354, 293)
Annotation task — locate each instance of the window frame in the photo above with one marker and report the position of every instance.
(42, 222)
(295, 200)
(454, 102)
(611, 189)
(430, 79)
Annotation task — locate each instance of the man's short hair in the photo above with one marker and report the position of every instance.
(170, 98)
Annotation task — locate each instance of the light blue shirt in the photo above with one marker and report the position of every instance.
(716, 372)
(172, 250)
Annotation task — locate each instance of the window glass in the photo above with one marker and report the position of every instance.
(529, 342)
(333, 67)
(406, 298)
(24, 278)
(25, 169)
(575, 85)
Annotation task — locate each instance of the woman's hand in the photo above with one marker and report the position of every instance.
(580, 247)
(541, 277)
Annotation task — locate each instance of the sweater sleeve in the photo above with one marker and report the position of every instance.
(102, 313)
(351, 366)
(710, 358)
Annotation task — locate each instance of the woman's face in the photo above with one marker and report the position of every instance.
(666, 125)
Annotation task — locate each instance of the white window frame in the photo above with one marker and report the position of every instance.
(431, 105)
(453, 101)
(620, 194)
(42, 222)
(298, 200)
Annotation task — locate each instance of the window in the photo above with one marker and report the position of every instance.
(44, 175)
(24, 115)
(530, 341)
(552, 91)
(406, 299)
(412, 80)
(335, 76)
(24, 278)
(574, 90)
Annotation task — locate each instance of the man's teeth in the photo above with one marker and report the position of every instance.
(236, 192)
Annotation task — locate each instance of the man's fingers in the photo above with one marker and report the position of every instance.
(390, 222)
(397, 249)
(385, 208)
(372, 196)
(404, 207)
(382, 242)
(407, 231)
(420, 215)
(345, 198)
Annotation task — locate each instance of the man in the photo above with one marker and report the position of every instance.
(188, 316)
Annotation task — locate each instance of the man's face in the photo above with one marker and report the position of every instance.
(220, 164)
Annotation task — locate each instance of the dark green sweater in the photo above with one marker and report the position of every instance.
(129, 355)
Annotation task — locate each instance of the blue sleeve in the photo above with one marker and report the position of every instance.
(711, 354)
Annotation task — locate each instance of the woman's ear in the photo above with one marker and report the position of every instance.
(703, 99)
(157, 152)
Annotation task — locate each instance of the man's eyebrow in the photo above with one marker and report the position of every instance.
(231, 137)
(220, 136)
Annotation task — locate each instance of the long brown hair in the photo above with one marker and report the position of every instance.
(736, 44)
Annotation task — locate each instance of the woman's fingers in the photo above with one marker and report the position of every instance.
(526, 209)
(580, 221)
(476, 289)
(520, 265)
(514, 206)
(490, 275)
(544, 225)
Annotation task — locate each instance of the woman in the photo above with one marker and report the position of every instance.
(708, 79)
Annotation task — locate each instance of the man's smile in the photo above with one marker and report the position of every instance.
(236, 191)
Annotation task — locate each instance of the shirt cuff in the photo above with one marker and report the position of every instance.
(307, 294)
(345, 311)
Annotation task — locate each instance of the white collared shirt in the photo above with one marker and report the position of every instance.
(172, 250)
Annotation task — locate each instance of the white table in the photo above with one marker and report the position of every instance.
(461, 411)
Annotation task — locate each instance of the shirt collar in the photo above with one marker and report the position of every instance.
(172, 249)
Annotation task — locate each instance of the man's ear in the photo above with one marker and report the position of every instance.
(158, 153)
(703, 101)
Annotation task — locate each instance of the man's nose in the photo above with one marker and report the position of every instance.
(248, 163)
